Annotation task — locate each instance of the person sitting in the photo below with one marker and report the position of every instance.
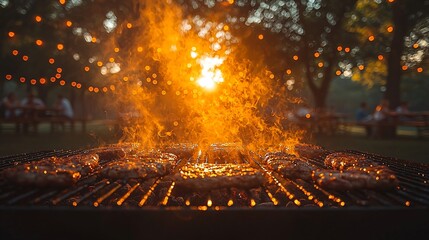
(9, 104)
(31, 110)
(64, 106)
(363, 116)
(65, 109)
(381, 118)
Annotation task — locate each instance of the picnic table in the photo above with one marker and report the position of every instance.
(28, 118)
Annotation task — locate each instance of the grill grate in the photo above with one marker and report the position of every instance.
(94, 191)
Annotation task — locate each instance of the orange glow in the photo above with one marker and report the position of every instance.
(210, 73)
(25, 58)
(15, 52)
(39, 42)
(338, 72)
(390, 1)
(420, 69)
(79, 85)
(62, 82)
(295, 57)
(42, 80)
(347, 49)
(125, 79)
(104, 89)
(51, 60)
(371, 38)
(53, 79)
(405, 67)
(415, 45)
(147, 68)
(339, 48)
(58, 75)
(226, 28)
(112, 87)
(59, 70)
(86, 68)
(288, 71)
(116, 49)
(272, 76)
(11, 34)
(94, 39)
(129, 25)
(8, 77)
(260, 36)
(60, 46)
(380, 57)
(38, 18)
(62, 2)
(91, 89)
(361, 67)
(22, 79)
(320, 64)
(111, 59)
(99, 63)
(73, 84)
(316, 54)
(33, 81)
(69, 23)
(307, 115)
(390, 29)
(96, 90)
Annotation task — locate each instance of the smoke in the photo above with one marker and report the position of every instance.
(184, 80)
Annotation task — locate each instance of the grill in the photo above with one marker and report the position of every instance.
(96, 206)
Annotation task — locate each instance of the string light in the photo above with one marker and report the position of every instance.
(390, 29)
(260, 36)
(69, 23)
(11, 34)
(8, 77)
(39, 42)
(129, 25)
(371, 38)
(15, 52)
(38, 18)
(380, 57)
(420, 69)
(60, 46)
(51, 61)
(25, 58)
(295, 57)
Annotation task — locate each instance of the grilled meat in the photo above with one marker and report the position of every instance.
(344, 161)
(144, 166)
(292, 168)
(208, 176)
(309, 150)
(53, 171)
(379, 177)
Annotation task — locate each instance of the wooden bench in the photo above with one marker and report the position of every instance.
(422, 127)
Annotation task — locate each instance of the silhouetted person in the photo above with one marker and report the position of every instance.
(363, 116)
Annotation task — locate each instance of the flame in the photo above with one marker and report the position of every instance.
(210, 74)
(193, 84)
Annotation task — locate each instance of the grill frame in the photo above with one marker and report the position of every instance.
(379, 222)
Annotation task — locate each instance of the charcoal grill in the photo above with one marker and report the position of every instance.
(96, 207)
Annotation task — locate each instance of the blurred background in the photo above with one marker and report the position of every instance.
(329, 67)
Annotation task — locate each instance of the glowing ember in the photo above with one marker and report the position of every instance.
(210, 74)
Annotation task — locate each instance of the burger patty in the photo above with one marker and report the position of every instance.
(379, 177)
(206, 176)
(53, 171)
(142, 166)
(344, 161)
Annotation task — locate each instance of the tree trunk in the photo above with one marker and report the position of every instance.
(394, 69)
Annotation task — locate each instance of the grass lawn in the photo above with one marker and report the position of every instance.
(405, 146)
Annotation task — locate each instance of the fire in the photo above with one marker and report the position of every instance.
(210, 73)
